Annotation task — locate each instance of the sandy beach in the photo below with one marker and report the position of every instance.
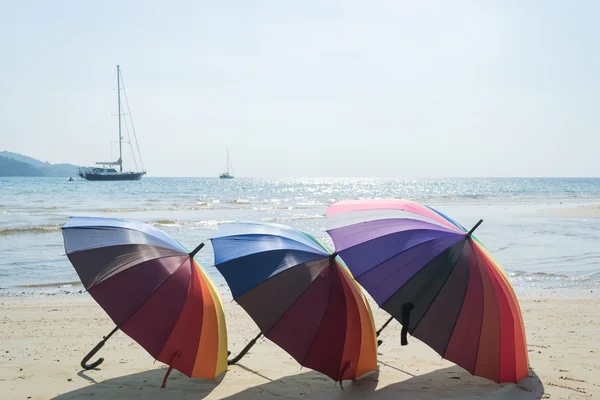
(43, 340)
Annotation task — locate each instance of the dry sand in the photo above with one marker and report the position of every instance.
(43, 340)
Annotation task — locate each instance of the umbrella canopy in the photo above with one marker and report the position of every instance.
(435, 278)
(154, 291)
(299, 295)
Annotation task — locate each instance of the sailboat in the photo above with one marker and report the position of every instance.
(107, 172)
(227, 175)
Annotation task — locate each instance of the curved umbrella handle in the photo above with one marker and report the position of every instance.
(244, 350)
(89, 355)
(96, 349)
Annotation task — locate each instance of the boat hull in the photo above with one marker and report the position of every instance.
(118, 176)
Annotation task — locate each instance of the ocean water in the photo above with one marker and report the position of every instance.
(542, 255)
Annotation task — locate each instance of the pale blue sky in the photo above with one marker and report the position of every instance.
(308, 88)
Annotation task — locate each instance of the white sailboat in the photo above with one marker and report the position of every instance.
(107, 172)
(229, 173)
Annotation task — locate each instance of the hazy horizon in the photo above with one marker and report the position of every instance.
(312, 89)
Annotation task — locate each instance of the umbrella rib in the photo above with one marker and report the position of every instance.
(434, 227)
(308, 249)
(105, 228)
(427, 220)
(389, 258)
(268, 251)
(346, 328)
(99, 280)
(122, 244)
(186, 297)
(493, 263)
(414, 276)
(312, 244)
(461, 306)
(152, 294)
(320, 323)
(440, 289)
(291, 305)
(482, 314)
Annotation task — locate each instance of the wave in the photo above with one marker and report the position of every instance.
(29, 229)
(298, 217)
(119, 210)
(212, 224)
(163, 222)
(175, 207)
(59, 284)
(203, 206)
(549, 275)
(239, 201)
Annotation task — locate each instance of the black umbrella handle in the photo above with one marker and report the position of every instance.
(96, 349)
(384, 325)
(244, 351)
(379, 342)
(406, 309)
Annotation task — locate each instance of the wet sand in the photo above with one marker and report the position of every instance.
(581, 211)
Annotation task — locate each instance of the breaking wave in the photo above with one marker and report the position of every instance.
(29, 229)
(212, 224)
(547, 275)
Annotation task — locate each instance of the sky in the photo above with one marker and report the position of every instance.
(307, 88)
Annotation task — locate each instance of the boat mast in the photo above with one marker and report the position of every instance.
(228, 161)
(119, 109)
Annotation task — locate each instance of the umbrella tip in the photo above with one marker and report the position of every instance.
(333, 255)
(196, 250)
(473, 228)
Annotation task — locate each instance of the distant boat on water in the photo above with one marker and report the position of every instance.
(228, 174)
(107, 172)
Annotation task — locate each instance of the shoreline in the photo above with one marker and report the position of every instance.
(582, 289)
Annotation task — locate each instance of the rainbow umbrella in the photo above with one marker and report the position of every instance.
(437, 279)
(153, 290)
(299, 295)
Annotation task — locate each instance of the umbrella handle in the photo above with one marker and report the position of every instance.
(406, 308)
(384, 325)
(244, 350)
(96, 349)
(379, 342)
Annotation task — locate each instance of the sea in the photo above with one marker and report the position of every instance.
(543, 254)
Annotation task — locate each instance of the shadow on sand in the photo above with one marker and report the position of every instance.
(448, 383)
(144, 385)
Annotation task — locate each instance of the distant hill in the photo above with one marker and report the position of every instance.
(11, 167)
(13, 164)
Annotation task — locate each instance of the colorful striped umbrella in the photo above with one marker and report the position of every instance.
(300, 297)
(435, 278)
(154, 291)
